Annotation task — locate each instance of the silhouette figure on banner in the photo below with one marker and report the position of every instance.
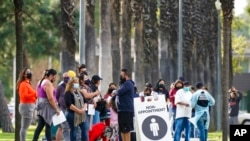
(154, 127)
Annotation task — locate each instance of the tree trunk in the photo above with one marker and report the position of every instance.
(227, 10)
(4, 112)
(126, 35)
(105, 56)
(150, 28)
(115, 35)
(171, 34)
(68, 35)
(19, 59)
(90, 38)
(139, 50)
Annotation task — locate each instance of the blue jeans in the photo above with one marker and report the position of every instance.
(174, 115)
(180, 125)
(201, 126)
(73, 129)
(96, 117)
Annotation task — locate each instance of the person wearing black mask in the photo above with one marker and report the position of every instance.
(88, 95)
(64, 127)
(161, 89)
(177, 85)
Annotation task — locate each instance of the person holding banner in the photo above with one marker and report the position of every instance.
(125, 104)
(183, 112)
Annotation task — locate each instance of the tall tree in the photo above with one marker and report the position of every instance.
(126, 13)
(227, 11)
(90, 37)
(19, 58)
(168, 36)
(68, 35)
(4, 112)
(150, 41)
(139, 50)
(105, 50)
(115, 35)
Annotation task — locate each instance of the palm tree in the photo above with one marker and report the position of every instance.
(170, 23)
(126, 13)
(139, 50)
(90, 37)
(19, 58)
(115, 35)
(68, 35)
(150, 27)
(105, 53)
(227, 10)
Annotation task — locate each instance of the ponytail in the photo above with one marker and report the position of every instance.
(47, 73)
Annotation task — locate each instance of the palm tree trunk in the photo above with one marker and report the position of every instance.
(171, 33)
(4, 112)
(68, 35)
(19, 58)
(139, 50)
(90, 37)
(227, 10)
(150, 41)
(115, 35)
(105, 56)
(126, 13)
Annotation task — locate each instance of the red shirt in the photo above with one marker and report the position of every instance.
(27, 93)
(172, 93)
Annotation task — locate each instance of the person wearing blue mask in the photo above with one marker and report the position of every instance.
(183, 112)
(76, 108)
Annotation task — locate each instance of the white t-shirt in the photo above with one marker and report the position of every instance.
(182, 110)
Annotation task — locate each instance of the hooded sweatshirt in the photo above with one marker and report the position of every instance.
(125, 95)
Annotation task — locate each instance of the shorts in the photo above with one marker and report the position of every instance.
(125, 121)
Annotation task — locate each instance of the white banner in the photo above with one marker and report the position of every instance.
(152, 119)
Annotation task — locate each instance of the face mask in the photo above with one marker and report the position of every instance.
(161, 86)
(147, 94)
(29, 75)
(87, 82)
(110, 90)
(186, 89)
(76, 86)
(122, 79)
(65, 79)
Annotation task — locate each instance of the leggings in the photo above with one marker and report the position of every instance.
(39, 128)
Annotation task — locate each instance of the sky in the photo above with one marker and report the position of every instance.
(239, 6)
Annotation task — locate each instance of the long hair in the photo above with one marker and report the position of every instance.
(21, 77)
(69, 85)
(47, 73)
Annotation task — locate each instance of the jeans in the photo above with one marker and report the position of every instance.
(181, 124)
(174, 115)
(73, 129)
(96, 117)
(201, 126)
(39, 128)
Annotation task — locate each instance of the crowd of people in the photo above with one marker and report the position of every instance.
(92, 116)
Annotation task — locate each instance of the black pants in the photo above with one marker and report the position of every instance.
(39, 128)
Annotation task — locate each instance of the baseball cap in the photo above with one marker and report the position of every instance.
(149, 85)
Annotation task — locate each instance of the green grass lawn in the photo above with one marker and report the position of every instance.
(10, 136)
(212, 136)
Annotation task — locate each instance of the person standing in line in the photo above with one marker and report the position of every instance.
(88, 95)
(46, 105)
(201, 101)
(177, 85)
(76, 109)
(125, 105)
(183, 112)
(63, 128)
(27, 101)
(161, 89)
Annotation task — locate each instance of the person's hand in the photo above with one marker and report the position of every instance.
(234, 89)
(57, 112)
